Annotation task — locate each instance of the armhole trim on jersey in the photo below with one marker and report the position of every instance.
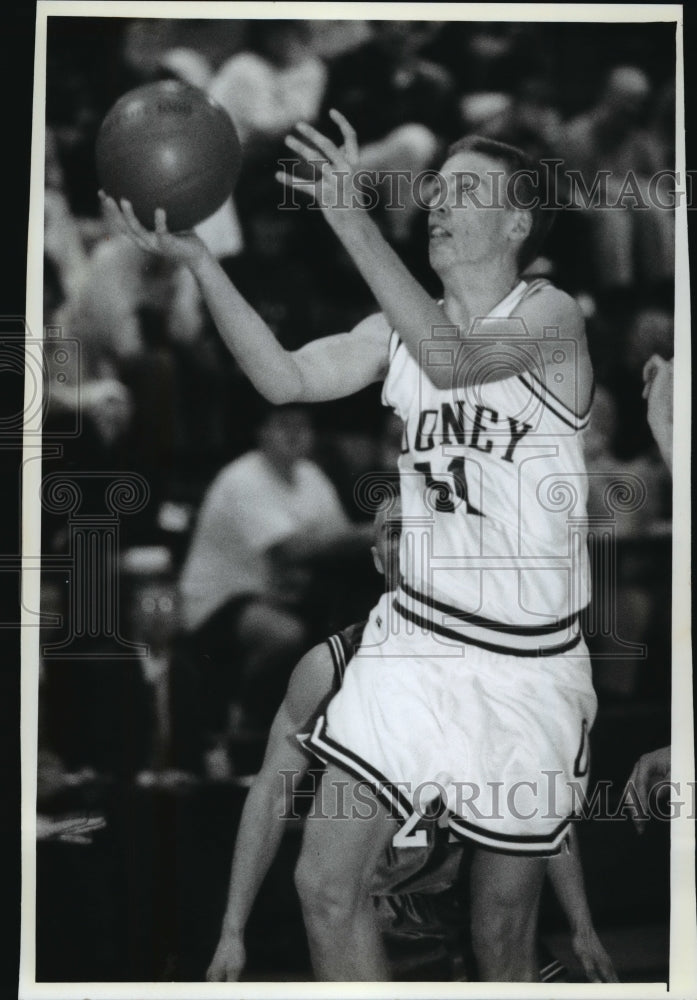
(555, 405)
(336, 649)
(534, 286)
(393, 344)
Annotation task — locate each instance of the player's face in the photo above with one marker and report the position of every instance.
(387, 531)
(469, 221)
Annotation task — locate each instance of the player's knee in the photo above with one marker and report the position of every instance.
(325, 900)
(498, 930)
(489, 931)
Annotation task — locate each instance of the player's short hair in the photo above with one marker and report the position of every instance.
(533, 185)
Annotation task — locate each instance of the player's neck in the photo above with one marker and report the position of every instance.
(474, 293)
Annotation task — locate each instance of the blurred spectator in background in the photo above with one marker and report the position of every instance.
(276, 81)
(248, 609)
(140, 325)
(185, 65)
(272, 247)
(662, 125)
(496, 55)
(120, 279)
(633, 241)
(649, 332)
(483, 109)
(63, 244)
(628, 500)
(402, 106)
(386, 83)
(98, 713)
(529, 119)
(149, 590)
(604, 467)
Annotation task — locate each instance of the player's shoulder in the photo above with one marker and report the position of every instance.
(351, 638)
(342, 647)
(547, 305)
(312, 680)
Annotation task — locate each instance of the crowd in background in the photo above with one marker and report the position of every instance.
(159, 394)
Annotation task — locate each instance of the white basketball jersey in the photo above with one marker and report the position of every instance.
(493, 486)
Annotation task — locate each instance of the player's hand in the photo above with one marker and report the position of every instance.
(596, 962)
(335, 166)
(73, 830)
(228, 961)
(649, 770)
(180, 248)
(658, 392)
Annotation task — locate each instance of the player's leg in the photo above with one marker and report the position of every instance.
(505, 896)
(343, 842)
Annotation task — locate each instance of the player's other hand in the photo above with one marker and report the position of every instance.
(658, 392)
(228, 961)
(596, 962)
(651, 769)
(180, 248)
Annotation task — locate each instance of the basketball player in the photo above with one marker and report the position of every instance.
(316, 678)
(477, 669)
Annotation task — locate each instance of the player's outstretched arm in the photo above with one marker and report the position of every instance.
(328, 368)
(268, 801)
(411, 310)
(566, 875)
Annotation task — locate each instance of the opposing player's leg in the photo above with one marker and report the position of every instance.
(505, 897)
(342, 844)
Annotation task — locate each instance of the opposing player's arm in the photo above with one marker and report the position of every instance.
(329, 368)
(566, 875)
(268, 801)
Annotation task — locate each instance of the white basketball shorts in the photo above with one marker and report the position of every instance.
(502, 739)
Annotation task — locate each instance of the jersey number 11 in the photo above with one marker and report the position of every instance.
(443, 502)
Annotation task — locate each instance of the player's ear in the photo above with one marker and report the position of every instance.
(520, 225)
(377, 560)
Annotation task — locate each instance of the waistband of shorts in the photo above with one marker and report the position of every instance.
(433, 615)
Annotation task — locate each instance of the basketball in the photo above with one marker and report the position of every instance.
(168, 145)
